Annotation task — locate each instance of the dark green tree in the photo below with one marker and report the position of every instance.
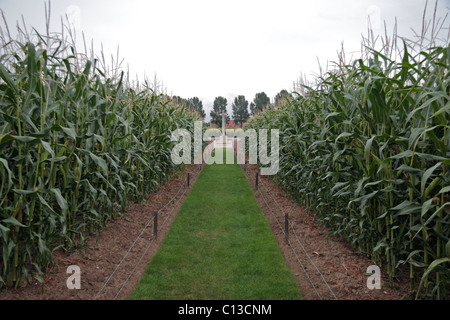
(179, 100)
(259, 103)
(240, 110)
(220, 104)
(281, 97)
(197, 105)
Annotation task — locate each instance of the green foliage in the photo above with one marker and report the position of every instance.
(75, 145)
(281, 97)
(220, 104)
(368, 151)
(195, 104)
(260, 101)
(240, 110)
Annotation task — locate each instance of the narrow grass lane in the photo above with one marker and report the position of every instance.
(220, 246)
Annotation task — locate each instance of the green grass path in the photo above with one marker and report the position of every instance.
(220, 246)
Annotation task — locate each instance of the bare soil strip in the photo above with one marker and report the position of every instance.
(342, 267)
(100, 258)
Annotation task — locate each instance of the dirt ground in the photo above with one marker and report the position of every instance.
(325, 267)
(112, 265)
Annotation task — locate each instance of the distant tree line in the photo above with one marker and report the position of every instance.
(240, 107)
(195, 104)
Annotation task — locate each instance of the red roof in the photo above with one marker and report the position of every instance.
(230, 124)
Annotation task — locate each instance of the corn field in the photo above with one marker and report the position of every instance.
(367, 150)
(77, 141)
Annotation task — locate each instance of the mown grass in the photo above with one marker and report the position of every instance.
(220, 246)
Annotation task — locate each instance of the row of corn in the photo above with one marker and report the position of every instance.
(75, 146)
(367, 149)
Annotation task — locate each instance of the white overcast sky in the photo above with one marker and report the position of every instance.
(226, 48)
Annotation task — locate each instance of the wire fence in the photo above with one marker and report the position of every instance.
(301, 254)
(169, 207)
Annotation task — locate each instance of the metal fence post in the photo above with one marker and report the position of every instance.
(155, 223)
(286, 226)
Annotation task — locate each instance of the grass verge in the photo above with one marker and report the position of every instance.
(220, 246)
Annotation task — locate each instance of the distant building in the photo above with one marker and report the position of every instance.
(230, 124)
